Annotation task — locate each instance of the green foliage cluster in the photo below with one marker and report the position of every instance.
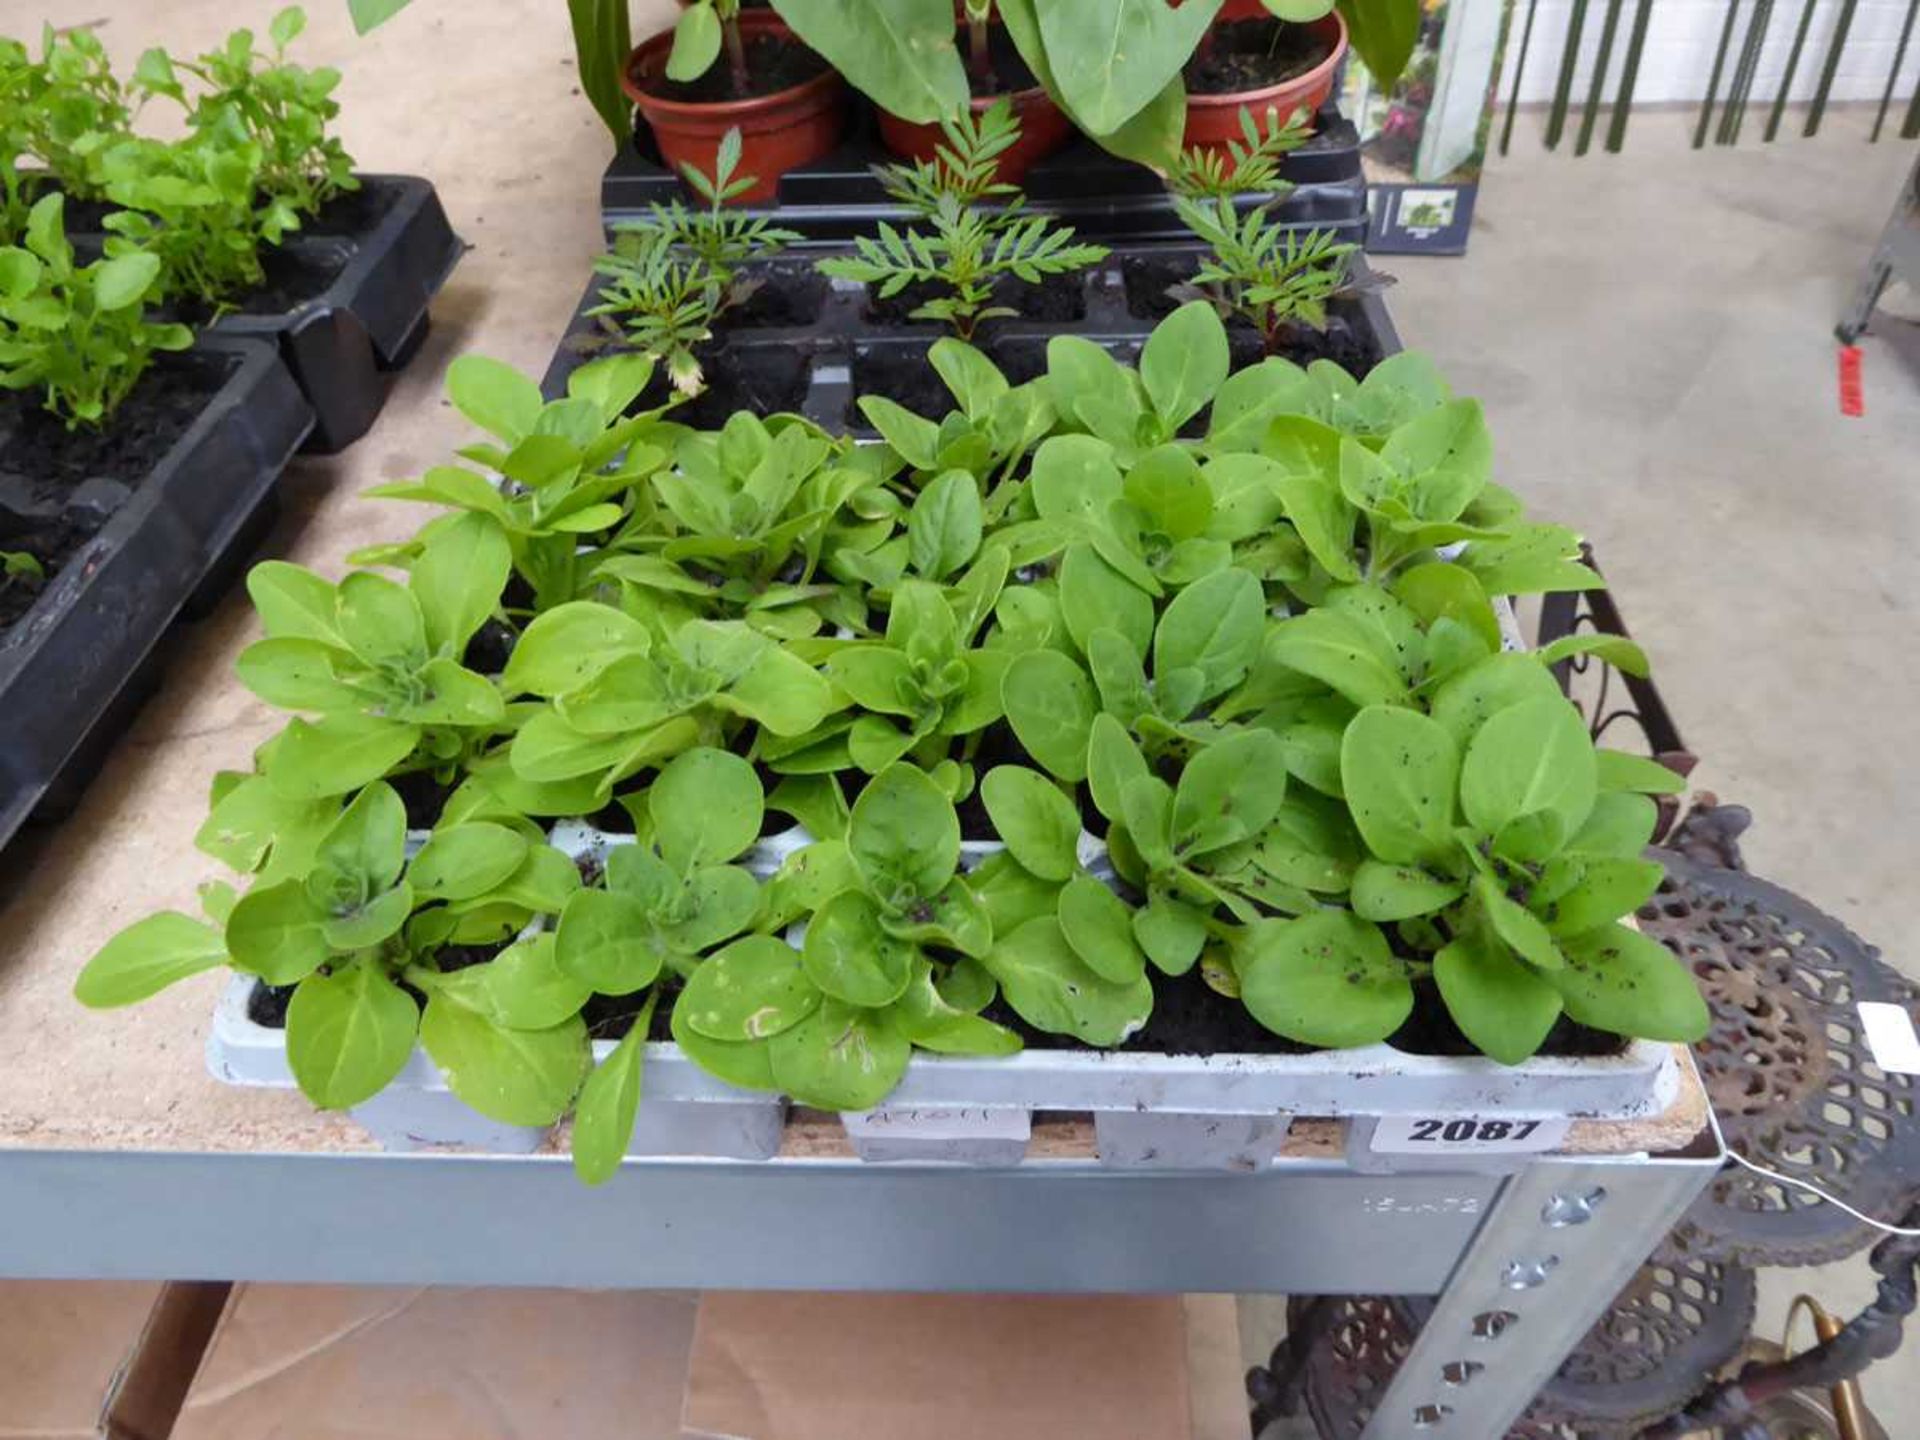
(255, 160)
(79, 333)
(1242, 624)
(966, 246)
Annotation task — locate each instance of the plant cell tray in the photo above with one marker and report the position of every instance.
(1222, 1111)
(389, 254)
(72, 666)
(1102, 196)
(807, 344)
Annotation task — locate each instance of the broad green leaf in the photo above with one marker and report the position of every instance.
(1111, 57)
(1398, 770)
(525, 988)
(494, 396)
(123, 280)
(294, 603)
(1171, 932)
(1038, 823)
(1325, 979)
(903, 836)
(370, 922)
(696, 42)
(1439, 588)
(914, 438)
(1311, 844)
(1469, 699)
(1320, 513)
(1536, 559)
(458, 578)
(348, 1034)
(1607, 889)
(900, 53)
(1099, 927)
(1228, 792)
(1250, 400)
(462, 862)
(450, 694)
(1446, 453)
(850, 957)
(1184, 361)
(1342, 653)
(1529, 758)
(147, 957)
(745, 1064)
(369, 839)
(1074, 477)
(1620, 824)
(605, 941)
(1113, 762)
(839, 1058)
(1215, 626)
(1383, 34)
(518, 1077)
(725, 901)
(1385, 892)
(943, 528)
(609, 1102)
(1618, 980)
(1051, 705)
(311, 760)
(1171, 496)
(976, 382)
(754, 988)
(276, 933)
(1052, 989)
(296, 674)
(570, 645)
(1504, 1008)
(1093, 595)
(1516, 926)
(926, 1016)
(1617, 770)
(780, 692)
(1615, 650)
(707, 806)
(1120, 678)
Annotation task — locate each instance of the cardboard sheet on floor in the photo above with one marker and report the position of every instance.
(939, 1367)
(96, 1359)
(347, 1363)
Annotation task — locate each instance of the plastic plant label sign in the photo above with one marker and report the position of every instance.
(971, 1122)
(1890, 1036)
(1465, 1135)
(1853, 398)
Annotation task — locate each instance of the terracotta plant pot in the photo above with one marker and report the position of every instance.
(777, 131)
(1044, 128)
(1213, 120)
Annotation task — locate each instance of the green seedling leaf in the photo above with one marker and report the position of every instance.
(903, 836)
(1471, 698)
(1167, 491)
(944, 526)
(1184, 362)
(348, 1034)
(850, 957)
(1516, 926)
(1325, 979)
(899, 52)
(696, 42)
(1503, 1007)
(608, 1105)
(745, 1064)
(604, 941)
(369, 839)
(839, 1058)
(458, 577)
(1051, 705)
(293, 603)
(494, 396)
(1094, 596)
(707, 806)
(1439, 589)
(1527, 759)
(147, 957)
(1617, 771)
(518, 1077)
(1039, 824)
(1250, 400)
(1343, 653)
(1110, 58)
(976, 382)
(526, 989)
(1074, 478)
(1214, 626)
(1230, 791)
(1052, 989)
(463, 862)
(312, 760)
(753, 989)
(569, 646)
(1099, 927)
(278, 933)
(1607, 889)
(1615, 650)
(1618, 980)
(1172, 932)
(1398, 770)
(1384, 892)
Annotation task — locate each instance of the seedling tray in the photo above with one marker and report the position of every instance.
(1102, 196)
(1222, 1111)
(807, 344)
(346, 298)
(72, 667)
(390, 254)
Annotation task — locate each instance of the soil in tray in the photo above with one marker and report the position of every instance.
(610, 1017)
(1061, 298)
(353, 212)
(1006, 73)
(773, 64)
(1253, 55)
(764, 379)
(1152, 287)
(781, 293)
(58, 487)
(293, 278)
(423, 796)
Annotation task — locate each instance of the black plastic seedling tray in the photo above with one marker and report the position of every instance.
(805, 344)
(74, 667)
(389, 252)
(1102, 196)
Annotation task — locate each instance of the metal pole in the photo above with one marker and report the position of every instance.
(1608, 29)
(1750, 47)
(1893, 75)
(1629, 77)
(1519, 65)
(1713, 82)
(1561, 1240)
(1831, 67)
(1793, 64)
(1569, 61)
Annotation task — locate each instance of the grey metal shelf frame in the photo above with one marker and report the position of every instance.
(1523, 1252)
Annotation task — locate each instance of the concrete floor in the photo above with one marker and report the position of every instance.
(1650, 334)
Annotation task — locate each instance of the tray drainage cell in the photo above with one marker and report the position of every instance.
(779, 294)
(763, 378)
